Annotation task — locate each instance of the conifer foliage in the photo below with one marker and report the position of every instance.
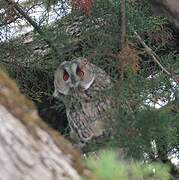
(144, 73)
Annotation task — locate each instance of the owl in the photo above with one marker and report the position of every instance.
(85, 88)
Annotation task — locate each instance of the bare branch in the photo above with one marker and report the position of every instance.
(150, 52)
(32, 22)
(123, 36)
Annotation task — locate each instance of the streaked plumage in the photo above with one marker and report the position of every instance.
(84, 85)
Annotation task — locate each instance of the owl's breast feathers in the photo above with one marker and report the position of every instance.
(87, 114)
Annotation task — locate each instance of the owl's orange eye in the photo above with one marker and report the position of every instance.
(65, 76)
(79, 72)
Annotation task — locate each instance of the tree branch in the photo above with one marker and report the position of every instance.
(32, 22)
(123, 35)
(154, 56)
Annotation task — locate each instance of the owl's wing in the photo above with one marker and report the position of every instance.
(88, 120)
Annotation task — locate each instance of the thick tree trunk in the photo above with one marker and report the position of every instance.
(29, 149)
(169, 7)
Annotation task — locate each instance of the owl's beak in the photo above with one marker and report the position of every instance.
(74, 85)
(74, 82)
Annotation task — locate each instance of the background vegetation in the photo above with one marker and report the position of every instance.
(94, 30)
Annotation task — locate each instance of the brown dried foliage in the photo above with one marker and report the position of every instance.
(128, 58)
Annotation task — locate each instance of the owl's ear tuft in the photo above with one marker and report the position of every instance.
(84, 63)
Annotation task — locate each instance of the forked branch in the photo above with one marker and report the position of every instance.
(154, 56)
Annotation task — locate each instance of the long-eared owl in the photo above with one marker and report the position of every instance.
(85, 87)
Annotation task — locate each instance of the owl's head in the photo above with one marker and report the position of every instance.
(77, 74)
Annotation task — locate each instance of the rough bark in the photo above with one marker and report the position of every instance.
(29, 149)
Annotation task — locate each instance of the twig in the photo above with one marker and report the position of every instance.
(21, 66)
(123, 34)
(17, 7)
(105, 53)
(150, 52)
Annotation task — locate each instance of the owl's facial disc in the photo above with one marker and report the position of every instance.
(86, 74)
(65, 75)
(79, 72)
(77, 75)
(69, 76)
(74, 82)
